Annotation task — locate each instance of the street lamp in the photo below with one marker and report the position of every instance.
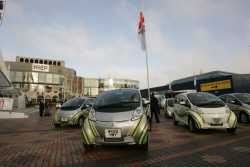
(2, 6)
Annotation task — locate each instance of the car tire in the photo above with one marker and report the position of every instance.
(80, 122)
(175, 122)
(166, 114)
(244, 117)
(192, 126)
(57, 125)
(231, 130)
(88, 147)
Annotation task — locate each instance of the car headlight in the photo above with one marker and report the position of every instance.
(228, 110)
(197, 110)
(92, 115)
(137, 113)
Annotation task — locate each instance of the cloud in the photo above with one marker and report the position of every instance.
(184, 37)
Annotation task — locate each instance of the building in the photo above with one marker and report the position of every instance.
(216, 82)
(50, 79)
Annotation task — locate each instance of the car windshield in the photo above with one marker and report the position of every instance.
(73, 104)
(118, 100)
(206, 100)
(244, 97)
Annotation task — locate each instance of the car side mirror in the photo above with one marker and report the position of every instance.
(182, 103)
(235, 102)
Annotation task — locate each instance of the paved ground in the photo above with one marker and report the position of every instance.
(34, 142)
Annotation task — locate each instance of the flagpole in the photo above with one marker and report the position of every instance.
(146, 55)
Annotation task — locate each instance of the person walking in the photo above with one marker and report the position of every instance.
(154, 107)
(41, 108)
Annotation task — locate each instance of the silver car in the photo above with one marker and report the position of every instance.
(118, 117)
(169, 107)
(203, 111)
(73, 112)
(239, 103)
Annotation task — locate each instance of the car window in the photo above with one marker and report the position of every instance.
(118, 100)
(73, 104)
(205, 100)
(244, 97)
(223, 98)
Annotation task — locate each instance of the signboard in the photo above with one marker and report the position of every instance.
(6, 104)
(217, 85)
(40, 67)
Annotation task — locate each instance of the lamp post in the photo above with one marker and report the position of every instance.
(2, 8)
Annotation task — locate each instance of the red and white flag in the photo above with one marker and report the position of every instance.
(141, 31)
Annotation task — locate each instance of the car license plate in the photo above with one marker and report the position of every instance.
(113, 133)
(64, 119)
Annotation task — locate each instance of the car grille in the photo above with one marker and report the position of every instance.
(113, 139)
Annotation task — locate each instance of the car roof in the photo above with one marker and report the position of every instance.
(232, 94)
(186, 93)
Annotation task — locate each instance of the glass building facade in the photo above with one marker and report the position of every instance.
(50, 79)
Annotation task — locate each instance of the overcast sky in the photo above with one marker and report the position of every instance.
(99, 38)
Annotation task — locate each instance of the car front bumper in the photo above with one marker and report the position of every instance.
(128, 140)
(211, 126)
(66, 120)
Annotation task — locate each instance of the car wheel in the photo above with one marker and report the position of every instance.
(80, 122)
(57, 125)
(191, 126)
(88, 147)
(231, 130)
(166, 114)
(174, 120)
(244, 117)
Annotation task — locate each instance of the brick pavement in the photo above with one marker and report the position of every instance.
(35, 142)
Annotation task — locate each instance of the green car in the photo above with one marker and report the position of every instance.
(118, 117)
(73, 112)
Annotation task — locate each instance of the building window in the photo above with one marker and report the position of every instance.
(45, 62)
(50, 62)
(41, 61)
(31, 60)
(26, 60)
(42, 77)
(35, 77)
(21, 59)
(58, 63)
(49, 78)
(54, 62)
(19, 77)
(36, 61)
(56, 79)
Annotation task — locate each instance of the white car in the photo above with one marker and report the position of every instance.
(203, 111)
(169, 107)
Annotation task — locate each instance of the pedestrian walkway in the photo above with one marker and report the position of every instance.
(21, 113)
(9, 115)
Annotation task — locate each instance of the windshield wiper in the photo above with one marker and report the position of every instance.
(119, 104)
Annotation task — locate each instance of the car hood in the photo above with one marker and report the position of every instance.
(67, 112)
(219, 110)
(113, 117)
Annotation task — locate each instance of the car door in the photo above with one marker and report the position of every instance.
(233, 103)
(170, 105)
(182, 109)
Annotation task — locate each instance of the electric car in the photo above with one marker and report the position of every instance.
(239, 103)
(169, 107)
(118, 117)
(73, 112)
(203, 111)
